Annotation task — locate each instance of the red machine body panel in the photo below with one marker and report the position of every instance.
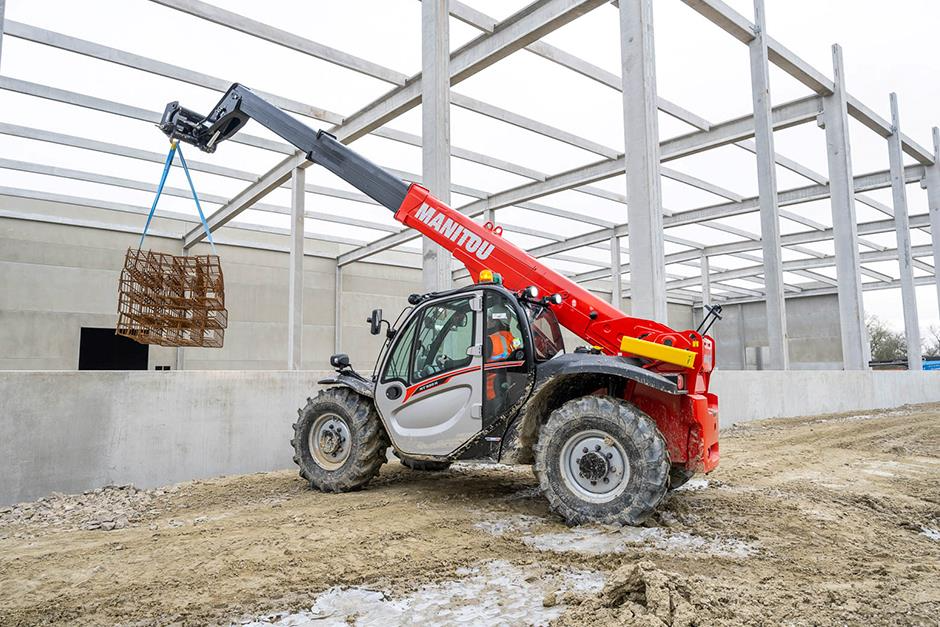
(689, 422)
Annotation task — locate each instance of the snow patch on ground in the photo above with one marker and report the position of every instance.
(933, 534)
(514, 523)
(463, 467)
(496, 593)
(595, 540)
(693, 485)
(890, 468)
(601, 540)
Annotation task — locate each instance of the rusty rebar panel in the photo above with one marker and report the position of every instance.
(171, 300)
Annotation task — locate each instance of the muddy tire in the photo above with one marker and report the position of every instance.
(593, 438)
(423, 465)
(339, 442)
(678, 476)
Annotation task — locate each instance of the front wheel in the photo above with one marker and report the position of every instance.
(600, 459)
(339, 442)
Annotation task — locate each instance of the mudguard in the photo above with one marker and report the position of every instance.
(589, 363)
(354, 382)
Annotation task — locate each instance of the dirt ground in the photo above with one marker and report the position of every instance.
(831, 520)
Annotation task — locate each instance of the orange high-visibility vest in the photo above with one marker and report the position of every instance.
(501, 345)
(490, 386)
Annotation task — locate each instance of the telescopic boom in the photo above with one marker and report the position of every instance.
(478, 247)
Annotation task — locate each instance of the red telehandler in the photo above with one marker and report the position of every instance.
(481, 373)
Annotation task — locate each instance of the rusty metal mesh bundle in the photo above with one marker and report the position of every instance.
(170, 300)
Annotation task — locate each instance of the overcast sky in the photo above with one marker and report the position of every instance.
(887, 46)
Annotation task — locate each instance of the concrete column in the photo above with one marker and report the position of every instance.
(435, 129)
(844, 224)
(2, 11)
(902, 228)
(616, 273)
(933, 200)
(767, 192)
(641, 139)
(295, 308)
(706, 284)
(489, 215)
(338, 310)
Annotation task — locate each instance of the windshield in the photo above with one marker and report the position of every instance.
(546, 333)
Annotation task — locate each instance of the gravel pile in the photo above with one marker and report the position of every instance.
(106, 509)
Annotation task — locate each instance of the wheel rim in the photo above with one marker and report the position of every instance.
(594, 466)
(329, 441)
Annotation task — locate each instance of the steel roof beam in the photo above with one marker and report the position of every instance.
(158, 68)
(743, 30)
(512, 34)
(785, 115)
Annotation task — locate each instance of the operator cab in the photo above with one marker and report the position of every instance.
(461, 363)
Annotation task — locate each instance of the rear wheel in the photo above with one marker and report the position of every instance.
(339, 442)
(600, 459)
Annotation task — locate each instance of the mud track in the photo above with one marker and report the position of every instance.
(829, 520)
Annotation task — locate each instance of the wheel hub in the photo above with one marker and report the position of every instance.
(329, 441)
(594, 466)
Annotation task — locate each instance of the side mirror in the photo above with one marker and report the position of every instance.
(375, 322)
(339, 361)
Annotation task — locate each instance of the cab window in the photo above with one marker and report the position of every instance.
(502, 334)
(546, 334)
(445, 334)
(397, 366)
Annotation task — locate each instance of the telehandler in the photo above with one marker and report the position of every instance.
(481, 372)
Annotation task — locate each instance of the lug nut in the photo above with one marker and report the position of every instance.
(606, 480)
(593, 483)
(597, 447)
(610, 455)
(613, 470)
(584, 450)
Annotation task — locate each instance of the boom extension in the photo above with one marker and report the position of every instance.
(240, 104)
(478, 247)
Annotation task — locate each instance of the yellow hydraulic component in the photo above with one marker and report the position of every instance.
(659, 352)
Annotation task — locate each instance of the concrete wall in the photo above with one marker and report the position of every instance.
(57, 278)
(71, 431)
(813, 332)
(752, 395)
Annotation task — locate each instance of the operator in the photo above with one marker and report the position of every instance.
(501, 344)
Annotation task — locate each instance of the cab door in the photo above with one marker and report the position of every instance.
(430, 389)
